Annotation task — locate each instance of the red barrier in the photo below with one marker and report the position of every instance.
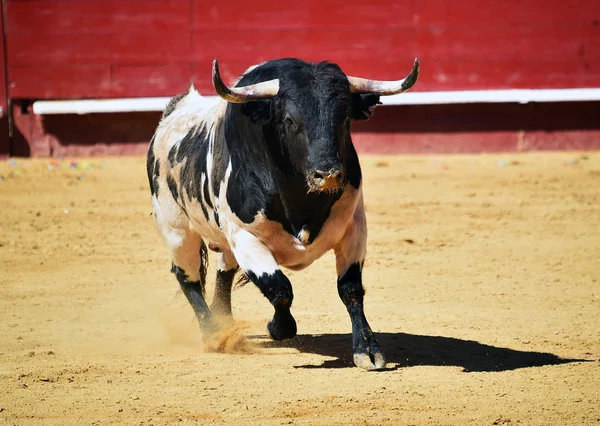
(132, 48)
(64, 49)
(4, 133)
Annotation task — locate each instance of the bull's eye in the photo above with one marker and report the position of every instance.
(289, 122)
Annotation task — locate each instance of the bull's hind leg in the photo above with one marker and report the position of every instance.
(188, 255)
(226, 270)
(260, 267)
(189, 266)
(350, 255)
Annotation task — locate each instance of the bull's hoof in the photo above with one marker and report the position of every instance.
(367, 354)
(370, 361)
(282, 326)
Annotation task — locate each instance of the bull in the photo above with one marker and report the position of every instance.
(270, 178)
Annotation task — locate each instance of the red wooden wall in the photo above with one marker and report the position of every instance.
(4, 130)
(72, 49)
(122, 48)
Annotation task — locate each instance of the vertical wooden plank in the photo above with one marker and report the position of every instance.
(4, 134)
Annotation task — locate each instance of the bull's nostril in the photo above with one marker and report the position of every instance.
(318, 175)
(329, 179)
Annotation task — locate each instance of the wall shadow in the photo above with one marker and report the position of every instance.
(482, 117)
(407, 350)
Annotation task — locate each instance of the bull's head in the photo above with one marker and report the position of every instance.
(308, 109)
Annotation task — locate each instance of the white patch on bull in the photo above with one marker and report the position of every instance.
(183, 244)
(198, 222)
(353, 246)
(226, 261)
(303, 235)
(250, 253)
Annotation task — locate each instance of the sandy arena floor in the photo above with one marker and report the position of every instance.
(482, 284)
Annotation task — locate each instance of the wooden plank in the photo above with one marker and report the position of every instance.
(102, 81)
(4, 126)
(269, 14)
(336, 45)
(480, 128)
(551, 116)
(558, 42)
(475, 142)
(149, 81)
(97, 48)
(422, 129)
(99, 81)
(96, 16)
(101, 134)
(469, 13)
(127, 47)
(507, 74)
(59, 81)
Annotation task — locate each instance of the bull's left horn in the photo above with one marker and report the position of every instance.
(239, 95)
(384, 88)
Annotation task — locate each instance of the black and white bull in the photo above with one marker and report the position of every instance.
(269, 177)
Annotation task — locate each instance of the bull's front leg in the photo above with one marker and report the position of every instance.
(350, 254)
(259, 265)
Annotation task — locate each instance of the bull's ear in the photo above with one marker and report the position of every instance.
(362, 106)
(258, 111)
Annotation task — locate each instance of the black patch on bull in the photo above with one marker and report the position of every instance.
(172, 155)
(276, 287)
(351, 291)
(362, 104)
(206, 194)
(172, 104)
(269, 158)
(150, 167)
(173, 187)
(192, 152)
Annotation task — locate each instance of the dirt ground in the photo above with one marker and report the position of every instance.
(482, 284)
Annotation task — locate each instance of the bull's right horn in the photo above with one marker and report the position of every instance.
(384, 88)
(240, 95)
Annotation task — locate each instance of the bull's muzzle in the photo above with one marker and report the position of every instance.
(329, 181)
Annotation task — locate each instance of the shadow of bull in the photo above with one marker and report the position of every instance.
(407, 350)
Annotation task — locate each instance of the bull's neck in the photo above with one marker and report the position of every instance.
(266, 180)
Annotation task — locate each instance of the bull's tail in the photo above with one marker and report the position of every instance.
(241, 281)
(203, 265)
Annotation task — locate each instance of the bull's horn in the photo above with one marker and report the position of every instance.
(239, 95)
(385, 88)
